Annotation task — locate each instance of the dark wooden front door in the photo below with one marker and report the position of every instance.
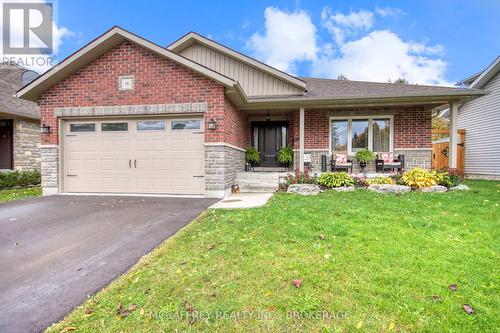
(6, 144)
(268, 138)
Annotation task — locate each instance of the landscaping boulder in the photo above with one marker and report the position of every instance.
(304, 189)
(344, 189)
(460, 187)
(435, 188)
(387, 188)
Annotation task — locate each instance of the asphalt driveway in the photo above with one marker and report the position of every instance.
(54, 251)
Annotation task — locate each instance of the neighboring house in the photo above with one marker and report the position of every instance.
(19, 124)
(481, 120)
(129, 116)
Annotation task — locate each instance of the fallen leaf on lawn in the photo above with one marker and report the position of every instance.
(322, 237)
(119, 309)
(297, 283)
(89, 310)
(453, 287)
(68, 329)
(142, 312)
(211, 246)
(359, 325)
(271, 308)
(327, 255)
(392, 326)
(468, 309)
(436, 298)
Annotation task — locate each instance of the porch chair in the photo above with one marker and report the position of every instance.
(386, 161)
(341, 161)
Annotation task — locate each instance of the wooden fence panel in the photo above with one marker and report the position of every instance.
(440, 151)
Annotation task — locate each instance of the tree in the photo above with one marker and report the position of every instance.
(342, 77)
(399, 80)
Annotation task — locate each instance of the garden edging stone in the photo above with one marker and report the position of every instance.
(304, 189)
(387, 188)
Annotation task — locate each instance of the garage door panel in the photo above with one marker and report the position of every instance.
(166, 161)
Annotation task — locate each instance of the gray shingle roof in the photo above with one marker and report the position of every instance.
(338, 88)
(10, 83)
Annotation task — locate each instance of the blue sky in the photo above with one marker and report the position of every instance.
(437, 42)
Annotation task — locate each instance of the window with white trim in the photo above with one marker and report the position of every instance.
(351, 134)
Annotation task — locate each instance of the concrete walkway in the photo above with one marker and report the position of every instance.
(243, 200)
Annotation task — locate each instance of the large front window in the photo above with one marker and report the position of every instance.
(350, 134)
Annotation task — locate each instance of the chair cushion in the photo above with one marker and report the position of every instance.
(387, 157)
(396, 164)
(340, 158)
(343, 164)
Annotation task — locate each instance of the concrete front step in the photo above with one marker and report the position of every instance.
(257, 189)
(257, 182)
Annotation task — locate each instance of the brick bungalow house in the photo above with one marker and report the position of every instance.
(19, 124)
(125, 115)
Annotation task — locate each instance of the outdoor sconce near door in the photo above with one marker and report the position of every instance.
(212, 124)
(45, 129)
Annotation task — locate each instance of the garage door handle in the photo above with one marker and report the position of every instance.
(71, 175)
(130, 163)
(135, 164)
(198, 176)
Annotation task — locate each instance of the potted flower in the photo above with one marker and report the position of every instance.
(364, 156)
(285, 156)
(252, 158)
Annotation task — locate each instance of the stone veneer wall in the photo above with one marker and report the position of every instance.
(50, 169)
(222, 162)
(26, 145)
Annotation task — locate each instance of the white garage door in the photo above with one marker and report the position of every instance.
(152, 155)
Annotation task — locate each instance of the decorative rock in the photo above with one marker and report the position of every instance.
(387, 188)
(460, 187)
(344, 189)
(304, 189)
(435, 188)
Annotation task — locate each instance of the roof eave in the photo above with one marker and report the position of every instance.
(487, 74)
(436, 99)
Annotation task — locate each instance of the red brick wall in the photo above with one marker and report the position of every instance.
(234, 125)
(412, 125)
(157, 81)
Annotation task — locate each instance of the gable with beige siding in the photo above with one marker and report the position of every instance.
(480, 118)
(254, 82)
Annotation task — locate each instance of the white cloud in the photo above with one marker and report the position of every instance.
(289, 37)
(382, 55)
(389, 11)
(354, 20)
(37, 62)
(355, 49)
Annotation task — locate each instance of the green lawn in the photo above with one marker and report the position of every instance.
(368, 262)
(17, 194)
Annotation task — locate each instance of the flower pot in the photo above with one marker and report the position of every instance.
(362, 164)
(248, 167)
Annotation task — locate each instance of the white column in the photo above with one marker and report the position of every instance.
(301, 138)
(453, 151)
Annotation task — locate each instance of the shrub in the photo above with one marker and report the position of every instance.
(419, 178)
(299, 178)
(360, 180)
(381, 180)
(335, 179)
(252, 155)
(398, 178)
(16, 179)
(365, 156)
(451, 177)
(285, 155)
